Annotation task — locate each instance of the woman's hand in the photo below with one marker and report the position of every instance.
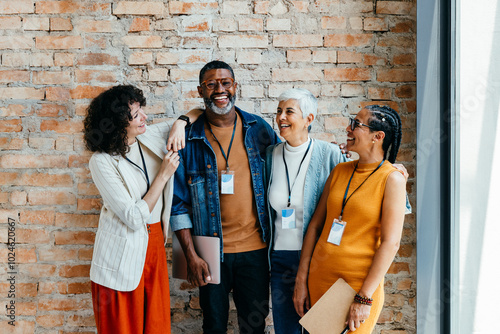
(301, 298)
(169, 164)
(358, 313)
(177, 136)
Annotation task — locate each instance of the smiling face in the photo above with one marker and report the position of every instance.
(291, 123)
(218, 99)
(361, 138)
(137, 125)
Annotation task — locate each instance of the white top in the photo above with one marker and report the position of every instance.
(153, 164)
(289, 239)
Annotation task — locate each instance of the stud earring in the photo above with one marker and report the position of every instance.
(373, 141)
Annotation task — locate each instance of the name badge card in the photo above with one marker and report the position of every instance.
(336, 232)
(288, 218)
(227, 182)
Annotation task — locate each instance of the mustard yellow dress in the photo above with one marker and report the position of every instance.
(352, 259)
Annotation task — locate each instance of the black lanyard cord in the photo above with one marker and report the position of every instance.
(286, 169)
(145, 170)
(344, 201)
(230, 143)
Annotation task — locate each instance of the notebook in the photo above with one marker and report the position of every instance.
(208, 248)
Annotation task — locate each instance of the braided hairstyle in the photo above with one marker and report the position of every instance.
(384, 118)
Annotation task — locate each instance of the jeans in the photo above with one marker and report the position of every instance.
(247, 274)
(284, 265)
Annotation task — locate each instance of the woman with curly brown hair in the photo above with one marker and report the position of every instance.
(131, 168)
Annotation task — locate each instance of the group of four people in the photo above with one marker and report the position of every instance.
(300, 206)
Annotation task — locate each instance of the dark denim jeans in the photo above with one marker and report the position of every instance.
(284, 266)
(247, 274)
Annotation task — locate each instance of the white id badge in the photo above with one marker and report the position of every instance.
(288, 218)
(227, 182)
(336, 232)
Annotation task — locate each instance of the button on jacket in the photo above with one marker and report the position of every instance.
(122, 237)
(196, 192)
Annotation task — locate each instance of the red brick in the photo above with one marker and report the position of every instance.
(79, 288)
(31, 236)
(296, 74)
(77, 161)
(243, 41)
(298, 55)
(405, 91)
(139, 8)
(347, 74)
(74, 270)
(14, 76)
(26, 309)
(60, 24)
(10, 23)
(197, 42)
(199, 24)
(17, 7)
(18, 198)
(51, 110)
(25, 93)
(346, 57)
(394, 7)
(69, 126)
(403, 27)
(411, 106)
(36, 23)
(372, 60)
(297, 41)
(46, 197)
(23, 255)
(95, 75)
(11, 125)
(333, 22)
(197, 8)
(86, 204)
(348, 40)
(37, 217)
(41, 60)
(404, 284)
(336, 123)
(141, 58)
(301, 6)
(96, 42)
(399, 267)
(11, 143)
(397, 42)
(58, 7)
(404, 59)
(76, 220)
(394, 105)
(406, 250)
(97, 59)
(86, 92)
(50, 320)
(321, 56)
(182, 74)
(375, 24)
(64, 59)
(74, 237)
(85, 254)
(273, 24)
(142, 42)
(59, 94)
(8, 178)
(396, 75)
(17, 110)
(261, 7)
(140, 24)
(350, 90)
(51, 78)
(59, 42)
(250, 24)
(64, 304)
(97, 26)
(379, 93)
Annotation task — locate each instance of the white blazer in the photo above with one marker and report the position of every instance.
(122, 238)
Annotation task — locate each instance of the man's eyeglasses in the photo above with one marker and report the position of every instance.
(225, 82)
(353, 123)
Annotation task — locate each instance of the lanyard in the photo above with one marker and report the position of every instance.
(230, 143)
(344, 202)
(145, 170)
(286, 169)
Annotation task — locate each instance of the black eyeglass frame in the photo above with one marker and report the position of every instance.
(217, 81)
(353, 123)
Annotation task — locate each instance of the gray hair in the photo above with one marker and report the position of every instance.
(307, 102)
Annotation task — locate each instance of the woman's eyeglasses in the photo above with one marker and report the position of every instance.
(225, 82)
(353, 123)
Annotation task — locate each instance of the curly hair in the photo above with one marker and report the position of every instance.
(386, 119)
(108, 116)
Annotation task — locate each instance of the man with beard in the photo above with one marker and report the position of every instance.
(219, 192)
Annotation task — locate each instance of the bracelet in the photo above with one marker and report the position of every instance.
(363, 300)
(185, 119)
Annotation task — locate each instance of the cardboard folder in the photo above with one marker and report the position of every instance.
(329, 313)
(208, 248)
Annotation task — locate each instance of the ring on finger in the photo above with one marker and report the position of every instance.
(362, 321)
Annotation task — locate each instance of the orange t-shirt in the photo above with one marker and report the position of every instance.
(240, 226)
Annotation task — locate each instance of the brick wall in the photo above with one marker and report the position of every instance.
(57, 55)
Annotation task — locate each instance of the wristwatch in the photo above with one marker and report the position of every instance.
(185, 118)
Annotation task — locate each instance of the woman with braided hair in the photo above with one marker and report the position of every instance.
(356, 228)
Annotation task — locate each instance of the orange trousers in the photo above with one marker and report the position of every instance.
(143, 310)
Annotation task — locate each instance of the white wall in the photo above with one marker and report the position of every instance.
(478, 203)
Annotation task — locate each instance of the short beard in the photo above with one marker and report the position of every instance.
(220, 111)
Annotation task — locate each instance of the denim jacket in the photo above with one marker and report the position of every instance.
(324, 157)
(196, 188)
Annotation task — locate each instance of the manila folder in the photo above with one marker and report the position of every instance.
(329, 314)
